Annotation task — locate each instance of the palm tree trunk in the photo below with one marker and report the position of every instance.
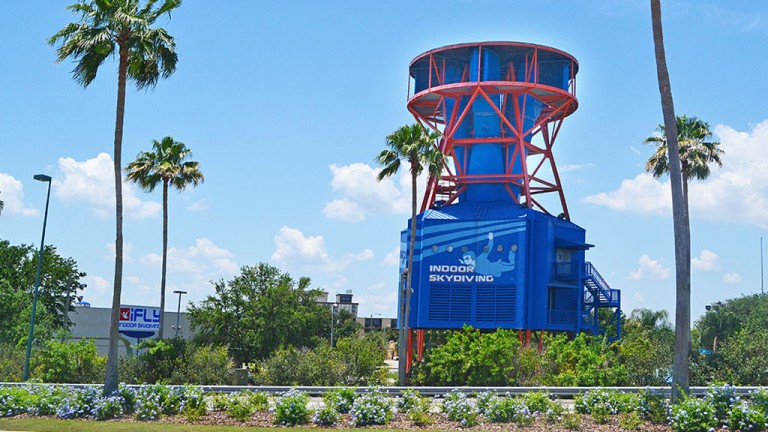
(111, 380)
(165, 259)
(405, 326)
(680, 370)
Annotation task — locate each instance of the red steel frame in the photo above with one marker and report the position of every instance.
(429, 107)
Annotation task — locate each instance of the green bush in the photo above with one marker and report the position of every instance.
(721, 398)
(459, 408)
(630, 421)
(502, 409)
(239, 407)
(743, 417)
(759, 400)
(326, 416)
(69, 362)
(411, 400)
(340, 399)
(610, 402)
(653, 406)
(11, 362)
(571, 420)
(291, 408)
(13, 401)
(538, 402)
(693, 415)
(372, 408)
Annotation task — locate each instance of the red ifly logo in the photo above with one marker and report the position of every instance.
(125, 314)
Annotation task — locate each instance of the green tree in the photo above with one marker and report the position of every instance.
(167, 164)
(59, 280)
(415, 145)
(122, 29)
(696, 152)
(259, 311)
(681, 227)
(646, 348)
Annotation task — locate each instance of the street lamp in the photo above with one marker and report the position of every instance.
(334, 311)
(178, 310)
(46, 179)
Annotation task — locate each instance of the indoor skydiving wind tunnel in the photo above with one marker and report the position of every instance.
(495, 247)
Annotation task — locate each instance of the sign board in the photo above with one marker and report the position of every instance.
(141, 318)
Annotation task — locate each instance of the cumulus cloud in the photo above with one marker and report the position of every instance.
(12, 195)
(362, 195)
(731, 278)
(200, 206)
(308, 253)
(379, 298)
(393, 258)
(738, 191)
(92, 182)
(650, 269)
(707, 261)
(203, 257)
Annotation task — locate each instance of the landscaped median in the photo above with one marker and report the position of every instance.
(33, 406)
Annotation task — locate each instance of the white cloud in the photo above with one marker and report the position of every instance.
(93, 183)
(737, 192)
(574, 167)
(199, 206)
(650, 269)
(378, 298)
(362, 195)
(707, 261)
(97, 283)
(732, 278)
(12, 195)
(642, 194)
(308, 253)
(393, 258)
(201, 258)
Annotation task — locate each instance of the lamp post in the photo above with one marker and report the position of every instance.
(178, 310)
(334, 310)
(46, 179)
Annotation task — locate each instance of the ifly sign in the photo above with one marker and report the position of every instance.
(139, 318)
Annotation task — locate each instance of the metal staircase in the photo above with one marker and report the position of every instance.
(599, 295)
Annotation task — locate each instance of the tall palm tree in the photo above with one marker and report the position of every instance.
(680, 369)
(166, 164)
(696, 153)
(415, 145)
(122, 29)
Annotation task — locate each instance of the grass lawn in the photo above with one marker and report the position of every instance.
(53, 425)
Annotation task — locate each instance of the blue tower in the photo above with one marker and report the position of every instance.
(488, 251)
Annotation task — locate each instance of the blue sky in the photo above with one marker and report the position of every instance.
(285, 105)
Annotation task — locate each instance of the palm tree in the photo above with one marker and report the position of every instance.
(680, 369)
(696, 153)
(167, 164)
(122, 29)
(415, 145)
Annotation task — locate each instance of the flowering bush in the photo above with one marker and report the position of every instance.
(108, 408)
(291, 408)
(340, 399)
(373, 408)
(693, 415)
(411, 400)
(326, 416)
(239, 407)
(149, 403)
(609, 401)
(459, 408)
(13, 401)
(538, 402)
(653, 406)
(507, 409)
(44, 400)
(759, 399)
(482, 400)
(129, 397)
(193, 404)
(79, 403)
(745, 418)
(722, 398)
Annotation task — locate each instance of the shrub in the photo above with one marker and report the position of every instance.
(606, 400)
(326, 416)
(149, 402)
(78, 403)
(259, 400)
(340, 399)
(372, 408)
(571, 420)
(509, 410)
(745, 418)
(759, 399)
(630, 421)
(722, 398)
(653, 406)
(69, 362)
(239, 406)
(44, 400)
(204, 365)
(693, 415)
(291, 408)
(538, 402)
(128, 396)
(554, 412)
(11, 363)
(219, 401)
(459, 408)
(420, 417)
(411, 400)
(108, 408)
(13, 401)
(600, 412)
(193, 405)
(482, 400)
